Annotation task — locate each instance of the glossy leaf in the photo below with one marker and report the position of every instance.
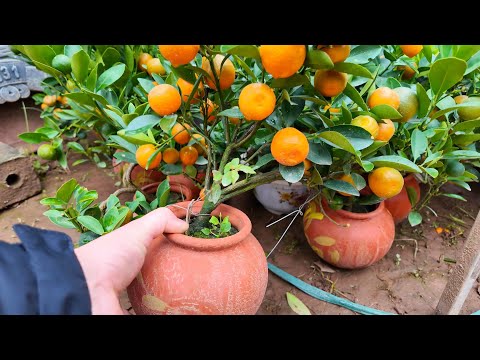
(91, 224)
(292, 174)
(234, 112)
(137, 139)
(455, 196)
(473, 63)
(290, 82)
(317, 59)
(80, 63)
(337, 140)
(386, 112)
(354, 69)
(296, 305)
(110, 76)
(358, 137)
(423, 101)
(363, 53)
(65, 192)
(33, 138)
(341, 186)
(467, 125)
(143, 123)
(353, 94)
(462, 155)
(445, 73)
(419, 143)
(414, 218)
(248, 51)
(319, 154)
(396, 162)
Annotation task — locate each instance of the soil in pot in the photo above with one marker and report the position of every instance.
(188, 275)
(346, 239)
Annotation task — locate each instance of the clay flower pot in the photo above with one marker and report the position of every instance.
(365, 240)
(186, 193)
(141, 177)
(187, 275)
(280, 197)
(186, 182)
(399, 205)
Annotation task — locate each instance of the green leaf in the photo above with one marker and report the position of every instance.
(123, 143)
(110, 219)
(143, 123)
(234, 112)
(465, 52)
(462, 155)
(227, 178)
(414, 218)
(76, 147)
(214, 220)
(369, 200)
(62, 222)
(358, 137)
(70, 50)
(81, 98)
(125, 157)
(263, 160)
(363, 53)
(248, 51)
(246, 169)
(423, 101)
(460, 183)
(432, 172)
(359, 181)
(341, 186)
(64, 193)
(215, 193)
(129, 60)
(353, 94)
(53, 213)
(80, 62)
(386, 112)
(337, 140)
(465, 139)
(163, 192)
(40, 53)
(318, 59)
(373, 148)
(171, 169)
(110, 56)
(191, 171)
(225, 226)
(292, 174)
(427, 51)
(455, 196)
(473, 64)
(110, 76)
(396, 162)
(467, 125)
(290, 82)
(52, 201)
(33, 138)
(393, 83)
(419, 143)
(346, 114)
(91, 224)
(367, 166)
(412, 195)
(137, 139)
(185, 73)
(92, 79)
(296, 305)
(445, 73)
(354, 69)
(147, 85)
(319, 154)
(205, 231)
(217, 175)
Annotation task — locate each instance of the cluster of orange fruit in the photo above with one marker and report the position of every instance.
(51, 100)
(188, 155)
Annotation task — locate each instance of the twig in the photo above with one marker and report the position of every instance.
(127, 176)
(416, 245)
(103, 204)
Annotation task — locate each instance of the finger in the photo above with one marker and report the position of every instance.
(174, 225)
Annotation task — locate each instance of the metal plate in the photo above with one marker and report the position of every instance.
(12, 72)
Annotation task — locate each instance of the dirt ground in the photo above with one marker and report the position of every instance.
(406, 281)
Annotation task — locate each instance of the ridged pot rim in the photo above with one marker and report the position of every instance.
(237, 218)
(357, 216)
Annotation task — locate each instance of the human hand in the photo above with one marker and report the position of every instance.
(111, 262)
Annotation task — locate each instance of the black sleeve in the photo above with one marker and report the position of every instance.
(41, 275)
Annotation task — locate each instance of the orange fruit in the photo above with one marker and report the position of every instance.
(188, 155)
(202, 194)
(385, 182)
(384, 96)
(386, 129)
(256, 101)
(332, 109)
(164, 99)
(180, 133)
(210, 108)
(368, 123)
(289, 147)
(142, 60)
(348, 179)
(337, 53)
(143, 154)
(198, 145)
(50, 100)
(64, 100)
(282, 61)
(408, 72)
(460, 99)
(154, 83)
(226, 76)
(187, 88)
(171, 155)
(179, 54)
(411, 50)
(154, 66)
(234, 121)
(329, 83)
(308, 165)
(44, 106)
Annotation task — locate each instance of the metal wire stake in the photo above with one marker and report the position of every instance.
(298, 212)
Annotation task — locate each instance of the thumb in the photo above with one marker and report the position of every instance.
(162, 221)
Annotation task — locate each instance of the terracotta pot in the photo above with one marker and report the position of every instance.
(399, 205)
(187, 275)
(280, 197)
(175, 187)
(186, 182)
(365, 240)
(141, 177)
